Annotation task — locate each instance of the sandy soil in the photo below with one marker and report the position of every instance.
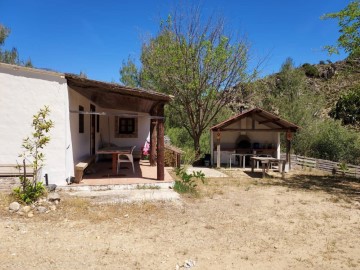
(234, 223)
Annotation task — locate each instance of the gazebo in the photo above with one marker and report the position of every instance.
(253, 132)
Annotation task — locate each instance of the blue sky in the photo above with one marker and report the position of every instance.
(96, 36)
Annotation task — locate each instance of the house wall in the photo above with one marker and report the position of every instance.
(23, 92)
(80, 141)
(143, 122)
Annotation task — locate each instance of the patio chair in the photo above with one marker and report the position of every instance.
(126, 158)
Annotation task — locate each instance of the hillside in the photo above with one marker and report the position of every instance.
(328, 79)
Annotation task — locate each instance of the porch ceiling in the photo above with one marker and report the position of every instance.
(115, 96)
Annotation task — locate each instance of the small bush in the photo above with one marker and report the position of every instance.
(31, 193)
(310, 71)
(187, 182)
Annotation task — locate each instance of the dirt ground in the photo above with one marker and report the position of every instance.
(303, 222)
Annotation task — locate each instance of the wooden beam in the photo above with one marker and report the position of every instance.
(160, 145)
(258, 129)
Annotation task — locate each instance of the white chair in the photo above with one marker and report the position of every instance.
(126, 158)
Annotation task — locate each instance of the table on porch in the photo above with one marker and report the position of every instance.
(114, 151)
(265, 163)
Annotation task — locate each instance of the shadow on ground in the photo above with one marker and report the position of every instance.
(334, 185)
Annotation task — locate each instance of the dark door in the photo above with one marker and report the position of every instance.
(92, 129)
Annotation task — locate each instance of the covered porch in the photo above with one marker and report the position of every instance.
(110, 115)
(249, 137)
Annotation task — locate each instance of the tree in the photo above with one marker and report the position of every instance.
(10, 56)
(32, 150)
(347, 108)
(129, 74)
(349, 23)
(199, 64)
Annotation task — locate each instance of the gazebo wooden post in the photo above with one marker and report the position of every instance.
(153, 126)
(160, 144)
(218, 149)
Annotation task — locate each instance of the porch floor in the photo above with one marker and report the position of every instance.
(100, 173)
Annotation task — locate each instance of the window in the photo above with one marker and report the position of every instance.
(81, 119)
(125, 127)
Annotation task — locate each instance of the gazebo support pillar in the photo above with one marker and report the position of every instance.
(160, 144)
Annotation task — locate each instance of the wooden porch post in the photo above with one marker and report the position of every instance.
(218, 149)
(160, 144)
(153, 126)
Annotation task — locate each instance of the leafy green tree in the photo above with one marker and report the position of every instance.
(10, 56)
(129, 74)
(349, 23)
(347, 108)
(33, 146)
(199, 64)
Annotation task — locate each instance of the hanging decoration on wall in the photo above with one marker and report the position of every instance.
(289, 135)
(218, 136)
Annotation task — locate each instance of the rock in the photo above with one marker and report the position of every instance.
(53, 197)
(30, 214)
(41, 209)
(14, 206)
(51, 187)
(189, 263)
(56, 202)
(52, 207)
(26, 209)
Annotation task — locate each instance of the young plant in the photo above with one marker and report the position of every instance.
(31, 190)
(188, 181)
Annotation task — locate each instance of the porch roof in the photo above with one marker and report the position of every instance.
(115, 96)
(272, 121)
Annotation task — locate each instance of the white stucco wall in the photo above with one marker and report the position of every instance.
(143, 130)
(23, 92)
(80, 141)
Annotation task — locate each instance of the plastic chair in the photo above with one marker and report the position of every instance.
(126, 158)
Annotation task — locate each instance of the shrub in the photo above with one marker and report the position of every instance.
(187, 182)
(31, 193)
(310, 71)
(347, 108)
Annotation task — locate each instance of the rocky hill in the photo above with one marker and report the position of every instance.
(328, 79)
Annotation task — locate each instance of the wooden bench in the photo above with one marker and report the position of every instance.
(80, 168)
(13, 170)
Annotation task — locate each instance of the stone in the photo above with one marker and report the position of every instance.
(30, 214)
(52, 207)
(53, 197)
(51, 187)
(26, 209)
(41, 209)
(56, 202)
(14, 206)
(189, 264)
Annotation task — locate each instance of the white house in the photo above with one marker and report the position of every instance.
(86, 114)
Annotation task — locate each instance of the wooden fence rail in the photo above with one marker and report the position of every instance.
(325, 165)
